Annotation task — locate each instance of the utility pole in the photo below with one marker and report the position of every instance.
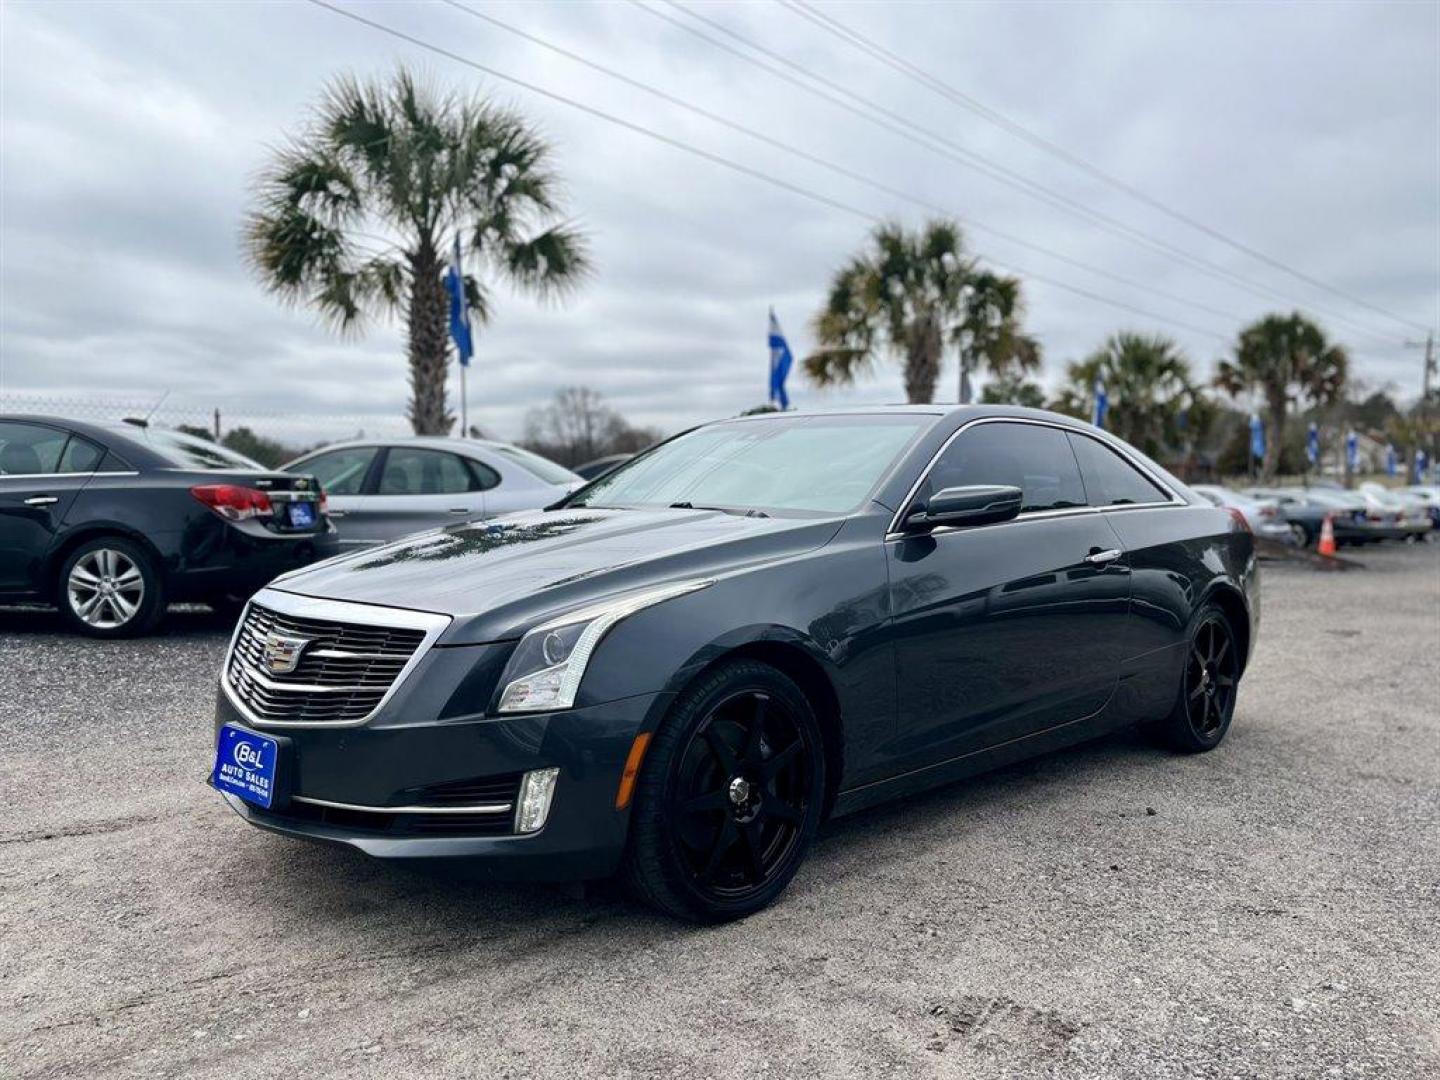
(1422, 411)
(217, 424)
(1429, 346)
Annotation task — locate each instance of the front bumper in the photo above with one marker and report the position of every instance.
(383, 767)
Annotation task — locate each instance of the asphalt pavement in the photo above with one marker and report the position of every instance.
(1268, 910)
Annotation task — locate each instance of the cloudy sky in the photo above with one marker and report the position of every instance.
(129, 134)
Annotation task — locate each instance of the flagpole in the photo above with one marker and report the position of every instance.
(464, 404)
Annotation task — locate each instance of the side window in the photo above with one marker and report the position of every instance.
(1110, 480)
(484, 476)
(30, 448)
(341, 472)
(1036, 459)
(412, 471)
(80, 456)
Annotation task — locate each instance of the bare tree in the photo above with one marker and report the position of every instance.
(578, 426)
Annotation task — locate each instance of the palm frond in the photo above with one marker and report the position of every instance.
(551, 264)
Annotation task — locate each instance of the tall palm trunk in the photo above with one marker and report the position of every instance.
(922, 360)
(1275, 399)
(429, 349)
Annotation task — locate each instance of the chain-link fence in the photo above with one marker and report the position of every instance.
(268, 437)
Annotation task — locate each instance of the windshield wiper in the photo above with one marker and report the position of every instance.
(737, 511)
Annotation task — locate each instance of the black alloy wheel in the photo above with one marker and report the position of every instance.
(730, 795)
(1211, 678)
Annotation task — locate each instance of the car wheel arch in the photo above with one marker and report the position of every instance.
(1231, 602)
(797, 662)
(94, 531)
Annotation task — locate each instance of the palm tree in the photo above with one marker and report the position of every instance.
(988, 335)
(1013, 390)
(1147, 380)
(1286, 358)
(907, 295)
(356, 217)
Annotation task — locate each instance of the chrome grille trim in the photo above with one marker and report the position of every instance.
(337, 685)
(476, 808)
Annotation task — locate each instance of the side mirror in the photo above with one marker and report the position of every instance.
(976, 504)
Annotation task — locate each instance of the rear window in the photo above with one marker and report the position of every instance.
(30, 449)
(188, 451)
(534, 464)
(1110, 480)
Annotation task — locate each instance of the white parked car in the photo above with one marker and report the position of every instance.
(1262, 515)
(1397, 508)
(381, 489)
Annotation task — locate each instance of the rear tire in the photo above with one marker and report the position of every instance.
(110, 587)
(1209, 682)
(729, 796)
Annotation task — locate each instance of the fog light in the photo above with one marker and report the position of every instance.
(536, 791)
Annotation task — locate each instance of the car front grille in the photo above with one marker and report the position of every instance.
(343, 672)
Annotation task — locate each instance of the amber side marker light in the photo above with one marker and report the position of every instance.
(632, 770)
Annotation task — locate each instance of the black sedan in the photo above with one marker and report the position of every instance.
(677, 673)
(113, 523)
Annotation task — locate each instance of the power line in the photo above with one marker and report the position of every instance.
(717, 159)
(938, 143)
(841, 170)
(854, 38)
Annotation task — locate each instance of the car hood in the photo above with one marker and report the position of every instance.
(497, 578)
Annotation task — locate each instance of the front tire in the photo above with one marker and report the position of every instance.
(110, 587)
(729, 797)
(1208, 684)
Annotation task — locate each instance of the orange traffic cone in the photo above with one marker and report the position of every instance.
(1327, 537)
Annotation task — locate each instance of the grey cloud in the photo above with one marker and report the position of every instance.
(130, 134)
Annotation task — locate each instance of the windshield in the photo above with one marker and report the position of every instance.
(825, 464)
(534, 464)
(189, 452)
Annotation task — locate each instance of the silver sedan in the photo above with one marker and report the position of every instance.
(381, 489)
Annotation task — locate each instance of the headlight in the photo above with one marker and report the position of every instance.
(545, 670)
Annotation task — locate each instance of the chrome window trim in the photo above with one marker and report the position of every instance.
(474, 808)
(310, 607)
(893, 530)
(63, 475)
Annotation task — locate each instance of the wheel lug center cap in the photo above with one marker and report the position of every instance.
(739, 791)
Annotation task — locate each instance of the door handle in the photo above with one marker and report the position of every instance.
(42, 500)
(1099, 558)
(460, 510)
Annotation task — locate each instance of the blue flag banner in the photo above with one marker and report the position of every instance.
(1257, 436)
(1312, 444)
(459, 310)
(1392, 462)
(1421, 464)
(1352, 451)
(1102, 404)
(780, 363)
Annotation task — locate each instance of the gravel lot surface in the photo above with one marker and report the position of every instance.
(1268, 910)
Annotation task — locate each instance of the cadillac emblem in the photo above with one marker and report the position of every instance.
(282, 652)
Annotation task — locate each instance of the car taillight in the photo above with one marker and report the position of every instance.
(233, 501)
(1239, 519)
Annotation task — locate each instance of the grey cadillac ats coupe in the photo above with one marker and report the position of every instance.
(676, 673)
